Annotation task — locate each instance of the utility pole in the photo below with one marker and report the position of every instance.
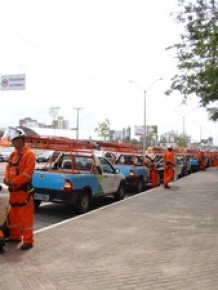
(77, 121)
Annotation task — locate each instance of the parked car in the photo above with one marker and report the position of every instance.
(183, 166)
(4, 205)
(5, 153)
(194, 161)
(44, 156)
(136, 173)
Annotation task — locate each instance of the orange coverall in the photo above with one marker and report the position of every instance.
(19, 169)
(201, 160)
(1, 234)
(169, 157)
(154, 174)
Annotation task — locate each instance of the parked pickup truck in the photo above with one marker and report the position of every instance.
(77, 179)
(4, 206)
(131, 165)
(195, 166)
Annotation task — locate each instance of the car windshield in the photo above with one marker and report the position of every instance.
(6, 150)
(66, 161)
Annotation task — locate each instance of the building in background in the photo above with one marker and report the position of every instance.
(59, 123)
(120, 135)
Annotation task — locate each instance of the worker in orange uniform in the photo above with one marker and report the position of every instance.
(18, 176)
(154, 174)
(201, 158)
(169, 165)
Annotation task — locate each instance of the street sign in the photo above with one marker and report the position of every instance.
(13, 82)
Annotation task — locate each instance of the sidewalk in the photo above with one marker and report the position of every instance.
(161, 239)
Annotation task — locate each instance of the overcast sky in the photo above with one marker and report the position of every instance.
(83, 54)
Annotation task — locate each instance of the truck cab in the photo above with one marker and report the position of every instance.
(135, 171)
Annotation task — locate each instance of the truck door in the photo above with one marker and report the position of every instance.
(110, 179)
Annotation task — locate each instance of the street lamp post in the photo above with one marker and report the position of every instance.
(144, 137)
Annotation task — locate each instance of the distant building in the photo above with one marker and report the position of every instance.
(28, 122)
(120, 135)
(60, 123)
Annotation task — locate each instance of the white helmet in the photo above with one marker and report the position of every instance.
(170, 146)
(13, 133)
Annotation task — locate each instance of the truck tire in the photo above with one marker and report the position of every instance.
(37, 203)
(139, 187)
(83, 203)
(120, 194)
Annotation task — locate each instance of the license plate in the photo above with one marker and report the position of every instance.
(42, 197)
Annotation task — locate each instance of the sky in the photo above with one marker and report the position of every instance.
(100, 56)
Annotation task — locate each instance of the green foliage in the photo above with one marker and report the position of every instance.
(181, 140)
(197, 53)
(103, 129)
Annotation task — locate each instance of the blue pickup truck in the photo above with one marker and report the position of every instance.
(136, 174)
(77, 179)
(194, 161)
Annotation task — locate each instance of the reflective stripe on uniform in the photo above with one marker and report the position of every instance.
(15, 226)
(28, 229)
(26, 174)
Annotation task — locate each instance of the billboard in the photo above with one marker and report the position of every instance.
(139, 130)
(150, 129)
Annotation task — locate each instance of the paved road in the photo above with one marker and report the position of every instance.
(50, 213)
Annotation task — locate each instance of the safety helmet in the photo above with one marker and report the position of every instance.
(170, 146)
(12, 133)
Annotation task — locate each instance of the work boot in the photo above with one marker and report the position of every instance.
(26, 247)
(2, 242)
(9, 240)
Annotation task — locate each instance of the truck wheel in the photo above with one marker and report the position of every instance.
(83, 203)
(120, 194)
(139, 187)
(37, 203)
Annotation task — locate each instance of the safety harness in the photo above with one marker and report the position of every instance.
(25, 187)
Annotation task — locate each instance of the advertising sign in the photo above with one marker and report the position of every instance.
(139, 130)
(150, 129)
(13, 82)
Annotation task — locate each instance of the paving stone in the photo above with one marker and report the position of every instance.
(160, 239)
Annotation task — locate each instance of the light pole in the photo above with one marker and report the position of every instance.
(144, 139)
(77, 122)
(184, 115)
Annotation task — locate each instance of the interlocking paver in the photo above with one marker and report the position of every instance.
(160, 239)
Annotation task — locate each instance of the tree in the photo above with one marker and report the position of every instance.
(103, 129)
(197, 53)
(180, 140)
